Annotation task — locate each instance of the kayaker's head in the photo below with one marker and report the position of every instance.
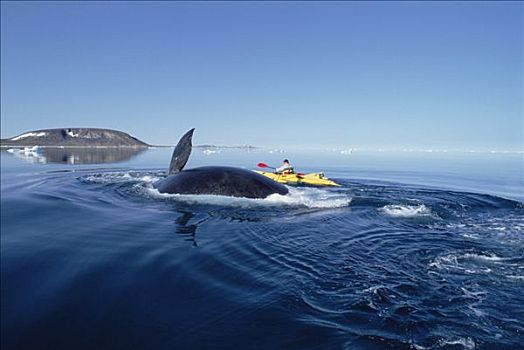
(285, 169)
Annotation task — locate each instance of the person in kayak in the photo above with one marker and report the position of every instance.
(286, 168)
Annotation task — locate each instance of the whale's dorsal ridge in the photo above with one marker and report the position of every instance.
(181, 153)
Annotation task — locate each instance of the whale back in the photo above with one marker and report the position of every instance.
(181, 153)
(219, 180)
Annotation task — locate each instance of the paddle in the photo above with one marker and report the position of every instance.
(264, 165)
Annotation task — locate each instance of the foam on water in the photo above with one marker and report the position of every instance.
(311, 197)
(510, 227)
(455, 343)
(119, 177)
(466, 343)
(297, 197)
(406, 211)
(475, 263)
(463, 343)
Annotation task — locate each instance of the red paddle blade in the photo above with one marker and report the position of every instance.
(262, 165)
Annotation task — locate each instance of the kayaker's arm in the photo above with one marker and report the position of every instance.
(281, 168)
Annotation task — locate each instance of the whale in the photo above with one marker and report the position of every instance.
(213, 180)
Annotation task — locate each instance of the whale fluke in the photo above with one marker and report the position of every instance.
(181, 153)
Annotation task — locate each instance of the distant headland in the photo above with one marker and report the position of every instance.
(74, 137)
(86, 138)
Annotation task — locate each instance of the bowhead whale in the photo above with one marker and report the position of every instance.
(216, 180)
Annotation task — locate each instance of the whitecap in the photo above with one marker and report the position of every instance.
(406, 211)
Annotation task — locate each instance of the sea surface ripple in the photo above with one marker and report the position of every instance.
(97, 258)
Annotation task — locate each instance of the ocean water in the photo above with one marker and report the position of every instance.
(414, 251)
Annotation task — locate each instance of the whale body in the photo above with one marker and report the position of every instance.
(214, 180)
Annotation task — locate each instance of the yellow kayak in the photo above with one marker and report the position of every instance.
(312, 179)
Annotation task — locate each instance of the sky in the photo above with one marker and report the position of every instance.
(443, 75)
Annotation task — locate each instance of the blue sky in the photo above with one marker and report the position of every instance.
(335, 74)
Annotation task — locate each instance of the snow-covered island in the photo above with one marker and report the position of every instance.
(74, 137)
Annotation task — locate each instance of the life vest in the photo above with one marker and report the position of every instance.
(289, 170)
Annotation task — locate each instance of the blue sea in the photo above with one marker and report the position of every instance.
(416, 250)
